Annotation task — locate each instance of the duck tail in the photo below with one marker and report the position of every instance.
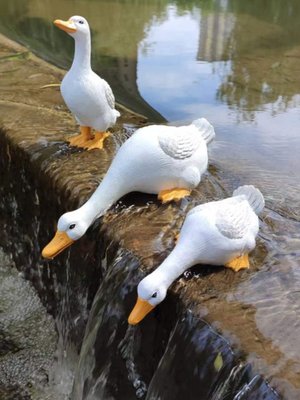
(205, 129)
(117, 114)
(253, 195)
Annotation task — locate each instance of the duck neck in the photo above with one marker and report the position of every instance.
(82, 55)
(178, 261)
(107, 193)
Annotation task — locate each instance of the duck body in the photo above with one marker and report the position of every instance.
(163, 160)
(157, 158)
(217, 233)
(89, 98)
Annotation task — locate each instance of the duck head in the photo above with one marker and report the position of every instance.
(76, 26)
(71, 226)
(151, 291)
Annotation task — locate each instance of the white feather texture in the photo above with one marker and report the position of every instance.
(253, 195)
(177, 144)
(205, 128)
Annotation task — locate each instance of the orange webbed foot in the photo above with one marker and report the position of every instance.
(238, 263)
(173, 194)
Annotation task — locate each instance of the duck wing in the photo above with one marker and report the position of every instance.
(109, 94)
(233, 220)
(180, 143)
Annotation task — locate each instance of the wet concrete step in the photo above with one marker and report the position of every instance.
(42, 178)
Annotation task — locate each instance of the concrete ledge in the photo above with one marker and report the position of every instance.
(41, 178)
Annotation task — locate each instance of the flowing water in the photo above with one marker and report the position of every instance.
(236, 63)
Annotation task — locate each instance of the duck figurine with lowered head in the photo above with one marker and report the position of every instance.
(89, 97)
(217, 233)
(157, 159)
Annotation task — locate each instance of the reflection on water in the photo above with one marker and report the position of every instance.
(234, 62)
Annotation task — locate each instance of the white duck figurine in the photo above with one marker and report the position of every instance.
(89, 98)
(217, 233)
(158, 159)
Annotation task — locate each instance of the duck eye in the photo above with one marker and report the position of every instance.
(154, 295)
(81, 22)
(72, 226)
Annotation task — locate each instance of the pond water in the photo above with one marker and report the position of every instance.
(237, 64)
(234, 62)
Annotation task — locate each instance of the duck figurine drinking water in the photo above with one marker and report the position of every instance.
(157, 159)
(89, 97)
(217, 233)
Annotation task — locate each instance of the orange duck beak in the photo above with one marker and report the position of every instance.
(67, 26)
(140, 310)
(59, 243)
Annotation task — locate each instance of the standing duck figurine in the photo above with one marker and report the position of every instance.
(157, 159)
(217, 233)
(89, 97)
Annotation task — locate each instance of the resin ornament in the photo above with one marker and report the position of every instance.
(89, 97)
(157, 159)
(217, 233)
